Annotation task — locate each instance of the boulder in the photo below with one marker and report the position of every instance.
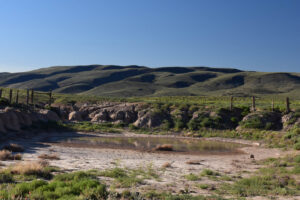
(10, 119)
(117, 115)
(48, 115)
(101, 117)
(75, 116)
(24, 119)
(148, 119)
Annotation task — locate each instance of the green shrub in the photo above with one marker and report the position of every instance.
(208, 172)
(203, 186)
(234, 120)
(297, 159)
(6, 177)
(245, 110)
(132, 127)
(114, 173)
(297, 146)
(179, 124)
(253, 123)
(4, 102)
(192, 177)
(192, 125)
(166, 124)
(78, 185)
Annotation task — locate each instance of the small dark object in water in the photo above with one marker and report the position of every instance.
(164, 147)
(252, 156)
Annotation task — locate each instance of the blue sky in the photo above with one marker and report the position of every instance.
(261, 35)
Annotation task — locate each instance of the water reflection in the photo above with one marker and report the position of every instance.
(183, 145)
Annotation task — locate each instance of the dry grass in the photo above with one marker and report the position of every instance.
(164, 147)
(17, 156)
(27, 168)
(14, 148)
(49, 156)
(5, 155)
(44, 163)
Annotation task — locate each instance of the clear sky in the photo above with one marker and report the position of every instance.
(261, 35)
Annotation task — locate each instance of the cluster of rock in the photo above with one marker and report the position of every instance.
(135, 113)
(141, 115)
(12, 119)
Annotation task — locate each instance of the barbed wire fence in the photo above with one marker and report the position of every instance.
(29, 98)
(32, 99)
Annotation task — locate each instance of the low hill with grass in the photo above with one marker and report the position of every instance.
(125, 81)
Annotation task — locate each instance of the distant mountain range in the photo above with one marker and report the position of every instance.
(125, 81)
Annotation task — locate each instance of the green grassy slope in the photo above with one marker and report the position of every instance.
(115, 81)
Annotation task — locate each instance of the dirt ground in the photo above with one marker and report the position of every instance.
(171, 179)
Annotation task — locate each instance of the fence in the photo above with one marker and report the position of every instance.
(33, 98)
(26, 97)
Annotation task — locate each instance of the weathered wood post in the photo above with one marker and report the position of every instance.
(17, 97)
(253, 104)
(10, 95)
(231, 103)
(288, 105)
(32, 95)
(50, 97)
(27, 97)
(0, 92)
(272, 105)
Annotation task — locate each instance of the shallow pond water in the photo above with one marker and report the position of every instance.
(150, 144)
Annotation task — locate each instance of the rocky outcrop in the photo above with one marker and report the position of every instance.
(125, 113)
(149, 119)
(75, 116)
(12, 119)
(102, 116)
(290, 120)
(262, 120)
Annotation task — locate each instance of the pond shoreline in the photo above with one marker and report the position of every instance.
(171, 178)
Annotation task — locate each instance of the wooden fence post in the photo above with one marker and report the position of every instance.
(10, 95)
(288, 105)
(32, 95)
(231, 103)
(272, 105)
(17, 97)
(0, 92)
(50, 97)
(27, 97)
(253, 104)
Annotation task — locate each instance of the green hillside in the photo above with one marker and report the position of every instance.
(125, 81)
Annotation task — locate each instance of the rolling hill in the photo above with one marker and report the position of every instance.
(125, 81)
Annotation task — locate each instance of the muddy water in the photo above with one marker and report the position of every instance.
(149, 144)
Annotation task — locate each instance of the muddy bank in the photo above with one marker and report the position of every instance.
(171, 178)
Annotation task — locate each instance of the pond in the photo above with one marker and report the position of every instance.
(154, 144)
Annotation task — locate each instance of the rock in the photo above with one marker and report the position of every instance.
(117, 115)
(24, 119)
(252, 156)
(287, 118)
(2, 129)
(10, 119)
(149, 119)
(49, 115)
(101, 116)
(75, 116)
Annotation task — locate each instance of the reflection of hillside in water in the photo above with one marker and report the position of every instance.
(149, 143)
